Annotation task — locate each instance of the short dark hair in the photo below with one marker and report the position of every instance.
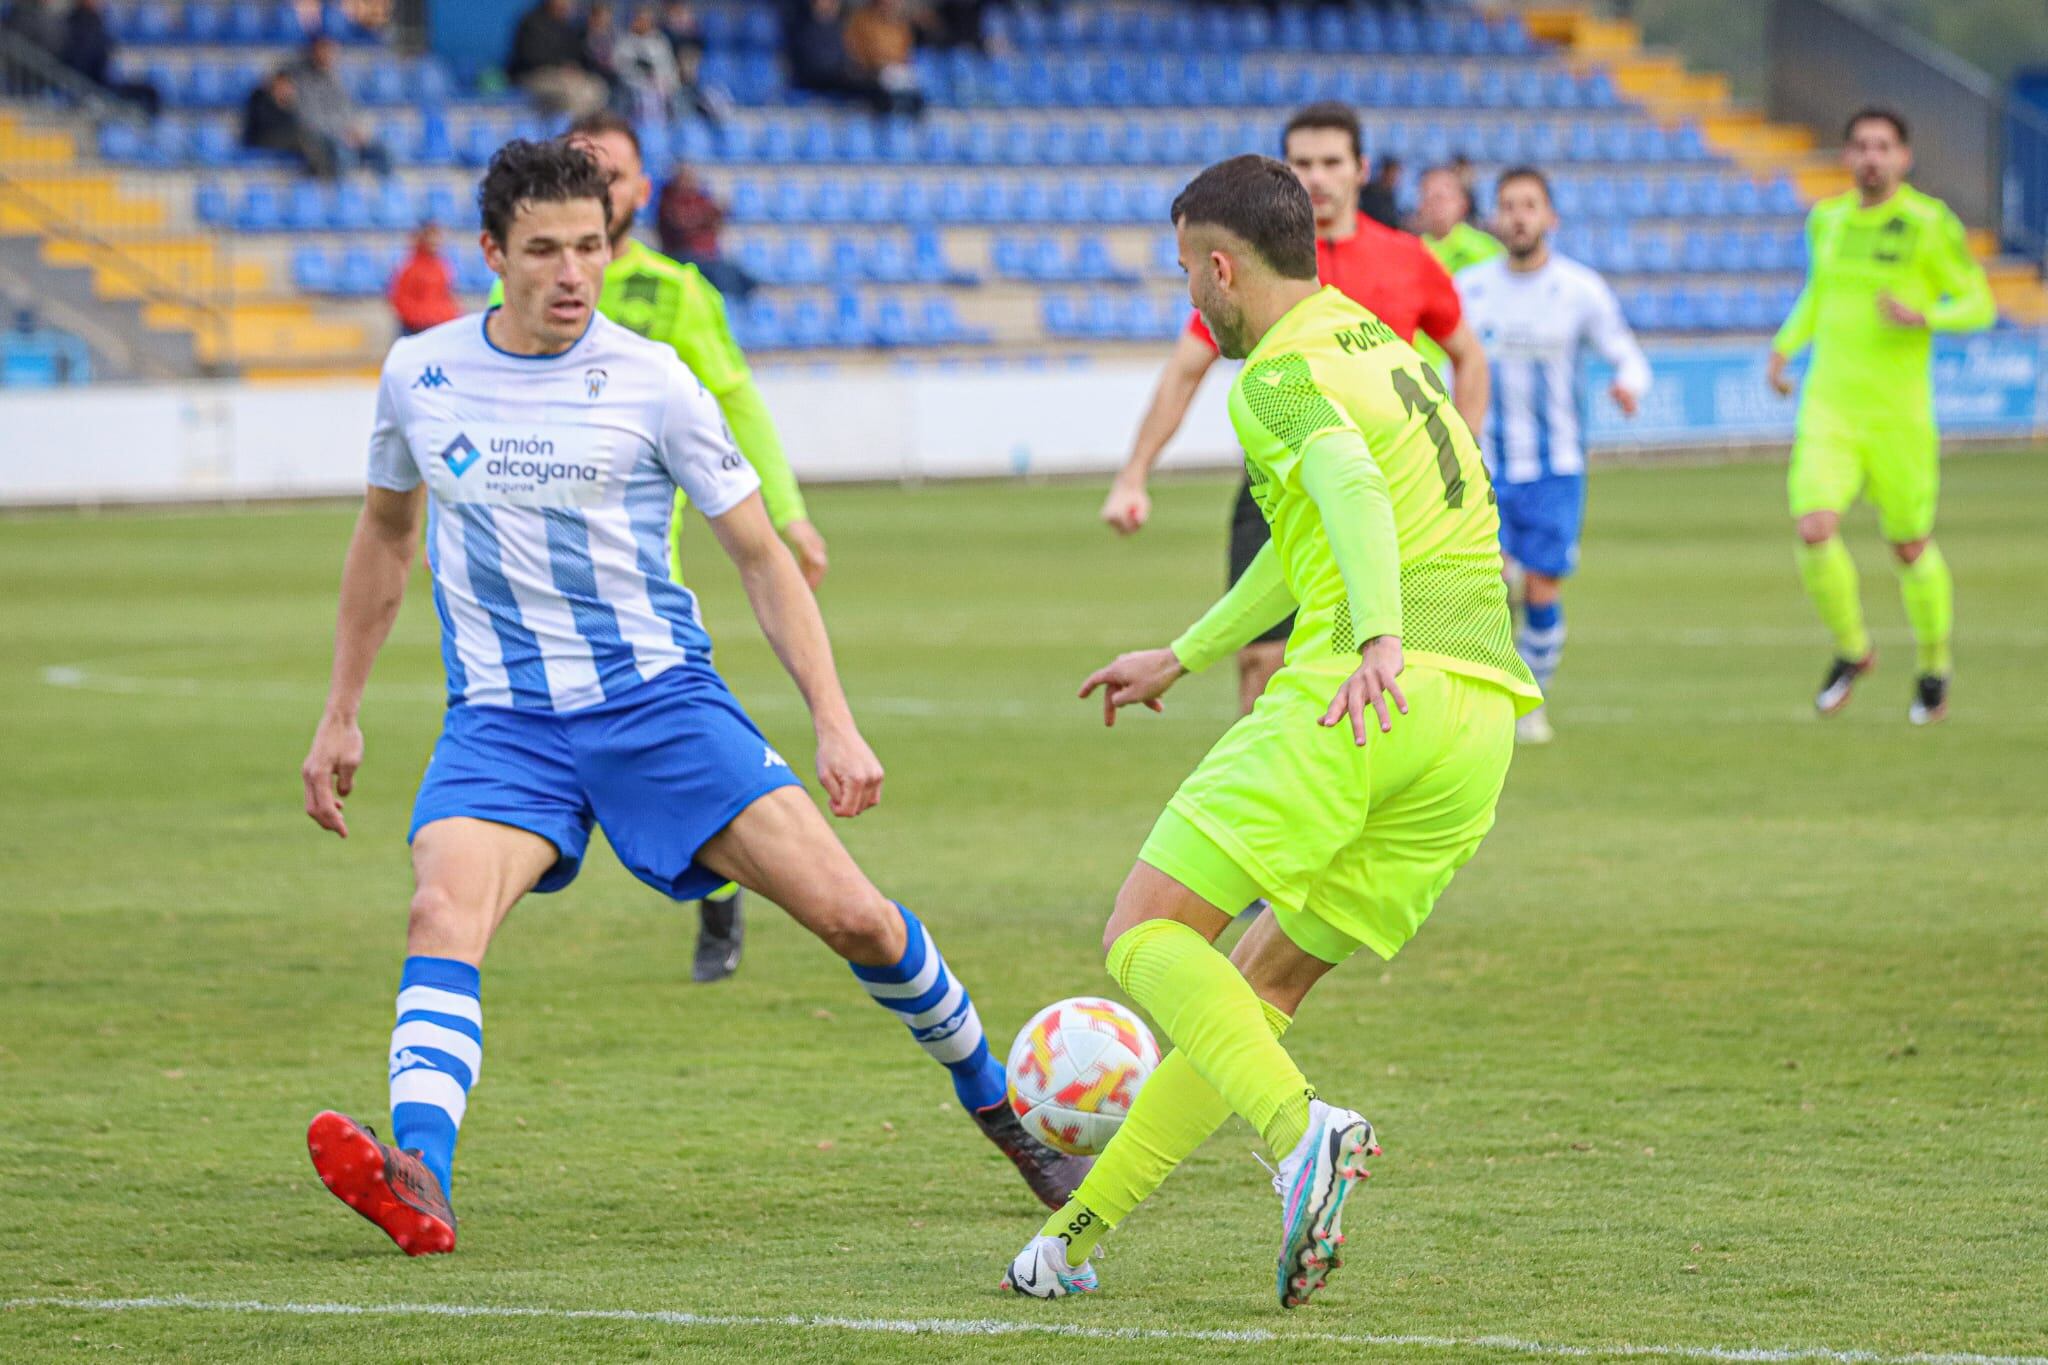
(552, 172)
(1876, 111)
(1258, 199)
(1514, 173)
(1326, 114)
(603, 121)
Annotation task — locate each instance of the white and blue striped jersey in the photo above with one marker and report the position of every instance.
(551, 481)
(1535, 326)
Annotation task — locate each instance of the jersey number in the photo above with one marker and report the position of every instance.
(1414, 400)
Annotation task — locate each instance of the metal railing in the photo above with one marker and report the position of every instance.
(27, 72)
(97, 280)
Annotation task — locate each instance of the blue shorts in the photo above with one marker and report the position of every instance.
(662, 769)
(1540, 520)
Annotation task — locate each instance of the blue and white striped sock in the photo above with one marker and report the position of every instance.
(1541, 640)
(941, 1016)
(437, 1054)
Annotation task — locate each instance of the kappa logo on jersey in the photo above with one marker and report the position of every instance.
(433, 377)
(406, 1060)
(461, 454)
(946, 1027)
(593, 382)
(771, 759)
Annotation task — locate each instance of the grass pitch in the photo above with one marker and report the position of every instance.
(1735, 1033)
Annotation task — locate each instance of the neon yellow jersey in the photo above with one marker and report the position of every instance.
(1865, 365)
(1329, 365)
(667, 301)
(1463, 246)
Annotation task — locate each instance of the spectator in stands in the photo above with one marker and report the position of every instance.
(954, 23)
(815, 44)
(35, 23)
(551, 64)
(646, 68)
(89, 50)
(328, 111)
(679, 24)
(601, 44)
(271, 123)
(423, 288)
(880, 43)
(1379, 197)
(688, 219)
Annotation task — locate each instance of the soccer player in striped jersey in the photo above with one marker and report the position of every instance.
(1888, 268)
(672, 303)
(1537, 313)
(544, 446)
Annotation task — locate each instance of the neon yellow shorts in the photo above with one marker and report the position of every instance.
(1352, 845)
(1896, 466)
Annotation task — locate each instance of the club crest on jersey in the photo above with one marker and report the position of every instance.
(593, 381)
(461, 454)
(433, 377)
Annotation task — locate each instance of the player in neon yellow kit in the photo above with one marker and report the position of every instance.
(668, 301)
(1888, 267)
(1385, 545)
(1442, 216)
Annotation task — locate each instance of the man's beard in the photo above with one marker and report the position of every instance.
(1523, 253)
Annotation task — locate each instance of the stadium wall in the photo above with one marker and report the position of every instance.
(197, 442)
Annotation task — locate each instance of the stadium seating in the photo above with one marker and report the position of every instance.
(1030, 203)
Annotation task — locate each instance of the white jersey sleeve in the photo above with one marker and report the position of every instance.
(391, 461)
(697, 449)
(1608, 333)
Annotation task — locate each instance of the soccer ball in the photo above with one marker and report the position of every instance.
(1075, 1069)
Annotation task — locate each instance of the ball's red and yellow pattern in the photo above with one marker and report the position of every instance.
(1075, 1070)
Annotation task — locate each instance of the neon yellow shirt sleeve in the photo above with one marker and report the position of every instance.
(1797, 330)
(1258, 601)
(753, 430)
(1349, 490)
(1965, 303)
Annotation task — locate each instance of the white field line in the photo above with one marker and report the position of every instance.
(998, 1327)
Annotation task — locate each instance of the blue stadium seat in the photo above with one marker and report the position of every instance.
(440, 205)
(896, 144)
(1733, 250)
(843, 260)
(1689, 144)
(1010, 257)
(120, 142)
(1655, 254)
(892, 324)
(1710, 197)
(312, 271)
(261, 210)
(382, 85)
(1058, 316)
(472, 275)
(1745, 198)
(211, 204)
(204, 24)
(244, 24)
(391, 207)
(788, 203)
(833, 202)
(749, 204)
(887, 260)
(349, 209)
(164, 143)
(305, 207)
(1781, 198)
(358, 274)
(798, 262)
(1696, 252)
(286, 26)
(207, 87)
(154, 25)
(1717, 309)
(1753, 310)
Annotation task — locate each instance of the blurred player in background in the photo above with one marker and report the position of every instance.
(1887, 267)
(1443, 219)
(1390, 273)
(1537, 313)
(544, 445)
(672, 303)
(1368, 772)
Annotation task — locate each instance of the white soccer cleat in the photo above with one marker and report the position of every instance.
(1041, 1270)
(1534, 728)
(1312, 1182)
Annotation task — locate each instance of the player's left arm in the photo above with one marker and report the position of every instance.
(699, 455)
(1609, 332)
(1350, 492)
(1963, 301)
(1443, 321)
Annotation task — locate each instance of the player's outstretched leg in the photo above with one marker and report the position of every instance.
(1929, 594)
(721, 933)
(468, 874)
(1313, 1181)
(781, 847)
(1829, 575)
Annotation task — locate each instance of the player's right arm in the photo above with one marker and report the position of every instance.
(1129, 505)
(373, 578)
(1797, 332)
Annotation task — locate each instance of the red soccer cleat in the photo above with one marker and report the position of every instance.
(392, 1189)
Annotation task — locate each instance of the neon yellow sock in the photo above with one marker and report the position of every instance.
(1830, 577)
(1175, 1113)
(1930, 597)
(1213, 1015)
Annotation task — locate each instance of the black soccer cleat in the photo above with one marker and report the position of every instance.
(1930, 700)
(1841, 682)
(721, 930)
(1052, 1175)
